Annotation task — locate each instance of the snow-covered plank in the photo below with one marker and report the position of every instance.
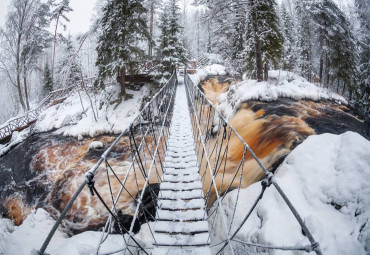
(167, 194)
(181, 204)
(181, 227)
(180, 177)
(190, 215)
(181, 186)
(182, 251)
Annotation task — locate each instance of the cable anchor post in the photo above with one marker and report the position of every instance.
(90, 182)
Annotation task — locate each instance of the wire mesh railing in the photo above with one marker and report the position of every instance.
(223, 158)
(134, 186)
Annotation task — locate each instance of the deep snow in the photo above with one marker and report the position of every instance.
(327, 180)
(70, 118)
(281, 84)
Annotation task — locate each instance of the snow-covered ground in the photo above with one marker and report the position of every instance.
(31, 234)
(70, 118)
(327, 180)
(281, 84)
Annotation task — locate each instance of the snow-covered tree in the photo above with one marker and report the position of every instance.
(47, 80)
(24, 39)
(265, 41)
(171, 50)
(337, 44)
(69, 68)
(238, 38)
(363, 35)
(123, 26)
(58, 13)
(288, 30)
(303, 45)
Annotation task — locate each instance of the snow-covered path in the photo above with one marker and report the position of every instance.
(181, 226)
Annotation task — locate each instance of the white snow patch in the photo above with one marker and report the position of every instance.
(17, 137)
(71, 120)
(215, 69)
(327, 180)
(29, 236)
(96, 145)
(281, 84)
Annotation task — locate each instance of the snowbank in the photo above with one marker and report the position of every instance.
(281, 84)
(71, 120)
(96, 145)
(202, 74)
(32, 233)
(17, 137)
(327, 179)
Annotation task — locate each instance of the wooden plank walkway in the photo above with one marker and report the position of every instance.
(181, 226)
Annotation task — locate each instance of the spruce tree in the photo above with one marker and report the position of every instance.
(264, 37)
(47, 80)
(238, 39)
(337, 44)
(304, 40)
(363, 35)
(288, 31)
(122, 27)
(171, 50)
(69, 69)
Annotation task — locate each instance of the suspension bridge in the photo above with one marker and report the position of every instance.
(187, 156)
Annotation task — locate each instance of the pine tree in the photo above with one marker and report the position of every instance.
(123, 26)
(69, 69)
(47, 80)
(264, 37)
(171, 50)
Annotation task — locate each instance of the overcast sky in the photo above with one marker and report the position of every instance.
(80, 17)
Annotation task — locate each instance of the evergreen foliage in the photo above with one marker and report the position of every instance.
(304, 59)
(363, 35)
(289, 32)
(264, 36)
(47, 80)
(337, 43)
(123, 26)
(238, 40)
(171, 51)
(69, 69)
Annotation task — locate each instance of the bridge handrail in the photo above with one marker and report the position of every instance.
(163, 99)
(198, 103)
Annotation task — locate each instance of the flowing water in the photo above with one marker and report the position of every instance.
(46, 169)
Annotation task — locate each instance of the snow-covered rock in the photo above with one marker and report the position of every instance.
(201, 74)
(327, 180)
(17, 137)
(96, 145)
(71, 118)
(281, 84)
